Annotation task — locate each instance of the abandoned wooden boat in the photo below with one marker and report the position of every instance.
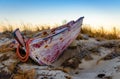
(45, 50)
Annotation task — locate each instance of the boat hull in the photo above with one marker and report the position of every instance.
(47, 50)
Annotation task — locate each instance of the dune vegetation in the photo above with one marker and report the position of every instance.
(30, 30)
(101, 32)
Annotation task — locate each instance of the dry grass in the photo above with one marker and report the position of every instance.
(8, 28)
(100, 33)
(27, 29)
(30, 30)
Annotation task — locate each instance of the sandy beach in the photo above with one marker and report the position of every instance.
(89, 58)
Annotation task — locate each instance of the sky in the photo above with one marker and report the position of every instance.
(96, 12)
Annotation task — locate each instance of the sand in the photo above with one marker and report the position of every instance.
(87, 59)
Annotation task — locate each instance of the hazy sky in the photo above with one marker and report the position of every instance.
(96, 12)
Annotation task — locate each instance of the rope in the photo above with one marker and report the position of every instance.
(23, 58)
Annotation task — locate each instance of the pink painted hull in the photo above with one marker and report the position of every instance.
(47, 50)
